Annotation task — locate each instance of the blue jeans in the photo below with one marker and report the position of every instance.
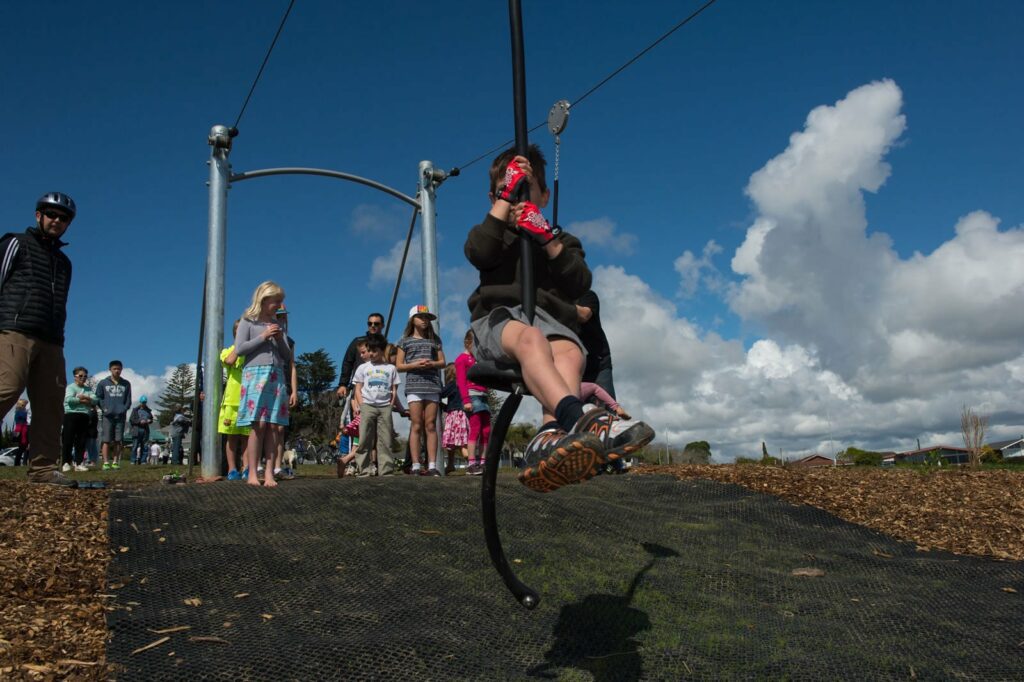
(177, 452)
(139, 451)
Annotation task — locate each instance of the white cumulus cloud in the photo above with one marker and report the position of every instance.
(858, 345)
(603, 233)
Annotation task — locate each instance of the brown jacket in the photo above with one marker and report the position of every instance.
(491, 247)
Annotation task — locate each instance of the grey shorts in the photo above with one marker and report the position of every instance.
(112, 429)
(487, 331)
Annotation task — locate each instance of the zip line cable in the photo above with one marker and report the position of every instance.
(264, 64)
(607, 78)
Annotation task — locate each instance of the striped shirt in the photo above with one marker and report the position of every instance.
(423, 382)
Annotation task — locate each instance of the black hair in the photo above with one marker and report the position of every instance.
(537, 162)
(115, 363)
(375, 342)
(76, 370)
(380, 315)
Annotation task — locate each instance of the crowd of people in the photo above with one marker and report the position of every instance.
(561, 351)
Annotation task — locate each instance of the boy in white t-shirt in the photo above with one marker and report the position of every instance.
(375, 382)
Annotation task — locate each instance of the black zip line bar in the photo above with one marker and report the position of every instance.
(591, 91)
(523, 593)
(259, 73)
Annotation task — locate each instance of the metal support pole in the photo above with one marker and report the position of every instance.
(428, 186)
(213, 333)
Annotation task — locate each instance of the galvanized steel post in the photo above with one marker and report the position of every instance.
(428, 183)
(213, 332)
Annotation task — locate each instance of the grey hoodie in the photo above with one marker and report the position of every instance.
(115, 399)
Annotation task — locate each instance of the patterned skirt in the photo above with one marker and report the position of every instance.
(263, 396)
(456, 430)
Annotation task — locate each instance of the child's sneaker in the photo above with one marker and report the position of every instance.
(115, 465)
(106, 466)
(475, 469)
(233, 475)
(554, 459)
(618, 437)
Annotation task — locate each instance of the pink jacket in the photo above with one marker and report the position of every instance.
(462, 365)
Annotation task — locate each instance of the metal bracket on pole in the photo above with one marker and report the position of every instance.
(213, 331)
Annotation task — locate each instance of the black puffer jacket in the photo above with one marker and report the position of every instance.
(34, 298)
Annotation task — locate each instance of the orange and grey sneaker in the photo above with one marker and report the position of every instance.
(618, 437)
(555, 459)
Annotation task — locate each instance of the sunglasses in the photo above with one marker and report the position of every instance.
(374, 324)
(80, 376)
(57, 215)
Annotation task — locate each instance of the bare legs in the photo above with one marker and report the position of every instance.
(423, 417)
(551, 369)
(263, 441)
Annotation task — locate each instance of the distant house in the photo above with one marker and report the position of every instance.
(948, 453)
(814, 460)
(1009, 449)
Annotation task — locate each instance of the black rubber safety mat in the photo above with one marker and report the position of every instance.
(641, 577)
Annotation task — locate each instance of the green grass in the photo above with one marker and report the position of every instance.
(146, 473)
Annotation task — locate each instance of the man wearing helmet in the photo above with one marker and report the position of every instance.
(35, 276)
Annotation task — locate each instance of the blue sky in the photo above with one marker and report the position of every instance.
(842, 268)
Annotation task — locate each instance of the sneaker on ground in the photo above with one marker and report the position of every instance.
(234, 475)
(66, 468)
(81, 467)
(54, 478)
(475, 469)
(106, 466)
(287, 474)
(618, 437)
(350, 470)
(259, 470)
(115, 465)
(555, 458)
(373, 470)
(430, 472)
(245, 472)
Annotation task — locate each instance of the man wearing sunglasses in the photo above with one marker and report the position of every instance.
(35, 276)
(374, 325)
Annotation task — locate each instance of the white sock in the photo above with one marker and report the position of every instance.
(433, 465)
(416, 466)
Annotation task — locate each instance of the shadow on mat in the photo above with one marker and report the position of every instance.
(597, 634)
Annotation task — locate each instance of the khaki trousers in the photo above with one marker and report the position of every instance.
(375, 428)
(28, 363)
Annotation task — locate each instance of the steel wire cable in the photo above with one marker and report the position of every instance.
(604, 80)
(266, 58)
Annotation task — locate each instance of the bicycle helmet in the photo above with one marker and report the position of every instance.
(57, 200)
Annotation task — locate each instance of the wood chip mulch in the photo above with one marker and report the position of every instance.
(959, 510)
(53, 564)
(54, 549)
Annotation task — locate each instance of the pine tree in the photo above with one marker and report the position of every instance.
(317, 415)
(179, 392)
(315, 373)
